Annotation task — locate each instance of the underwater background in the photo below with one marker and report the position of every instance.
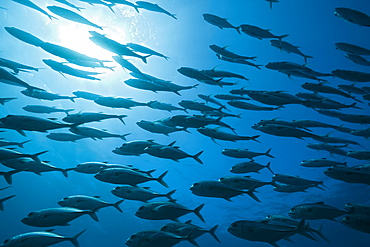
(311, 25)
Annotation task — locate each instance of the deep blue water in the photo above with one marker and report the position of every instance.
(311, 25)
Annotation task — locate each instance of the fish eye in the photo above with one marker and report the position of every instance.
(292, 210)
(133, 236)
(196, 184)
(268, 216)
(142, 208)
(222, 179)
(234, 225)
(346, 218)
(7, 240)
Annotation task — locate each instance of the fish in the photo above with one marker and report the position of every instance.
(114, 46)
(45, 95)
(358, 59)
(145, 50)
(154, 7)
(8, 78)
(139, 194)
(352, 89)
(95, 167)
(125, 64)
(65, 2)
(8, 143)
(329, 148)
(291, 67)
(2, 200)
(31, 5)
(185, 229)
(45, 109)
(359, 154)
(284, 130)
(135, 148)
(166, 210)
(198, 75)
(72, 16)
(42, 238)
(86, 117)
(222, 73)
(347, 174)
(218, 189)
(65, 69)
(95, 133)
(214, 133)
(127, 176)
(30, 123)
(357, 208)
(320, 87)
(296, 180)
(260, 33)
(289, 48)
(219, 22)
(350, 75)
(353, 16)
(243, 182)
(328, 104)
(92, 203)
(208, 98)
(237, 60)
(15, 66)
(276, 98)
(124, 2)
(323, 162)
(156, 239)
(358, 222)
(315, 211)
(225, 53)
(5, 100)
(118, 102)
(155, 104)
(146, 85)
(86, 95)
(352, 49)
(196, 106)
(65, 137)
(92, 2)
(24, 36)
(244, 153)
(170, 152)
(55, 216)
(289, 188)
(158, 127)
(230, 97)
(249, 166)
(361, 132)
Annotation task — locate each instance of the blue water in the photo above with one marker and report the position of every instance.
(310, 25)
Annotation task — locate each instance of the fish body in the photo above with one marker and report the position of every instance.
(248, 106)
(156, 239)
(127, 176)
(355, 118)
(24, 36)
(171, 152)
(146, 85)
(349, 75)
(237, 60)
(288, 188)
(276, 98)
(31, 5)
(284, 130)
(117, 102)
(328, 104)
(289, 48)
(361, 132)
(323, 162)
(65, 137)
(358, 59)
(83, 202)
(164, 106)
(352, 49)
(329, 148)
(223, 74)
(358, 222)
(353, 16)
(166, 210)
(315, 211)
(291, 67)
(44, 109)
(30, 123)
(125, 64)
(214, 133)
(45, 95)
(145, 50)
(249, 166)
(95, 167)
(260, 33)
(139, 194)
(197, 75)
(210, 188)
(295, 180)
(230, 97)
(357, 208)
(196, 106)
(72, 16)
(158, 127)
(8, 143)
(243, 182)
(65, 2)
(7, 78)
(94, 133)
(320, 87)
(86, 95)
(348, 175)
(224, 52)
(154, 7)
(65, 69)
(135, 148)
(55, 216)
(208, 98)
(219, 22)
(86, 117)
(244, 153)
(39, 239)
(16, 67)
(352, 89)
(359, 154)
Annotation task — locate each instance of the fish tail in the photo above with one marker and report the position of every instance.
(196, 157)
(35, 156)
(136, 8)
(253, 138)
(169, 194)
(72, 99)
(120, 117)
(305, 58)
(74, 239)
(268, 153)
(282, 36)
(144, 58)
(52, 17)
(8, 176)
(212, 232)
(161, 181)
(197, 212)
(68, 110)
(3, 200)
(268, 167)
(238, 29)
(110, 7)
(123, 137)
(173, 16)
(116, 205)
(93, 214)
(251, 191)
(22, 143)
(149, 173)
